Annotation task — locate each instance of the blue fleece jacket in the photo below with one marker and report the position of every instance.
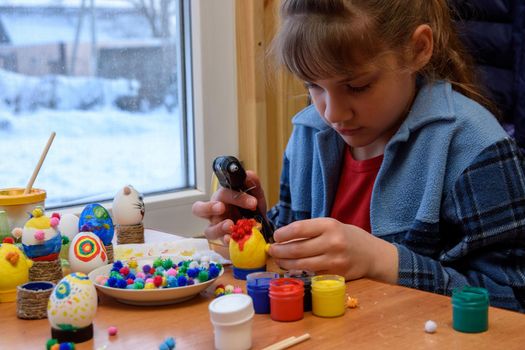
(450, 194)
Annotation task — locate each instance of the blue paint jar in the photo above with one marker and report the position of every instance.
(306, 277)
(258, 284)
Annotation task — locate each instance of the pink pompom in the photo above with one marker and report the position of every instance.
(54, 222)
(172, 272)
(112, 330)
(140, 275)
(55, 215)
(40, 235)
(237, 290)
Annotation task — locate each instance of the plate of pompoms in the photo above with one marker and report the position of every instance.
(155, 280)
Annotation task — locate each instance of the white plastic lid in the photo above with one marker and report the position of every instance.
(231, 309)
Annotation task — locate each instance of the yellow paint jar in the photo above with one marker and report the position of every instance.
(328, 295)
(18, 205)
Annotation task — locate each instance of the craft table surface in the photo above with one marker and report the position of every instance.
(388, 317)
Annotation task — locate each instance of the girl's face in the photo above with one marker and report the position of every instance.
(367, 108)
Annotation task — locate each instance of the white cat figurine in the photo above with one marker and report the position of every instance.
(128, 207)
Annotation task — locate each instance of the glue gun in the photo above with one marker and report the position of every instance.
(232, 175)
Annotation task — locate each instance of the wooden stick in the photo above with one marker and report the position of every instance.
(286, 343)
(39, 165)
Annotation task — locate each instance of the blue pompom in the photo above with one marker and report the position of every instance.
(164, 346)
(112, 282)
(146, 268)
(213, 271)
(121, 284)
(190, 282)
(118, 265)
(172, 282)
(181, 281)
(132, 276)
(170, 342)
(193, 272)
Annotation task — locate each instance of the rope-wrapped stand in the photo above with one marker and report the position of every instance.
(32, 298)
(46, 271)
(109, 252)
(130, 234)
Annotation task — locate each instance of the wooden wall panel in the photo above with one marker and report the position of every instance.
(267, 100)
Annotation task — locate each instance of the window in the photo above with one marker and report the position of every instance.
(134, 99)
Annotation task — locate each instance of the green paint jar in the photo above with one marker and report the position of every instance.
(470, 309)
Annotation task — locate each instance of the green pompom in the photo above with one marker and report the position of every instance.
(157, 262)
(167, 264)
(203, 276)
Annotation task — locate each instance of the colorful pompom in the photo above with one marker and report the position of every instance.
(430, 326)
(53, 222)
(168, 344)
(352, 302)
(132, 263)
(37, 212)
(10, 240)
(50, 343)
(112, 330)
(40, 235)
(17, 232)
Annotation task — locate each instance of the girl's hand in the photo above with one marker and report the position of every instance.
(327, 246)
(221, 211)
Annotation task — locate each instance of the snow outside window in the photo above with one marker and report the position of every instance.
(138, 93)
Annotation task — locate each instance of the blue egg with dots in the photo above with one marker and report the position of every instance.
(95, 218)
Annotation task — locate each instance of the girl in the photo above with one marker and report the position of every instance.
(399, 143)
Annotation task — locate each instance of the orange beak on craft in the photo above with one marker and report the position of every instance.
(248, 248)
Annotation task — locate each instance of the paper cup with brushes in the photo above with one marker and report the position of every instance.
(248, 248)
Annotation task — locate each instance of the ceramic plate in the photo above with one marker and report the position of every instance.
(162, 296)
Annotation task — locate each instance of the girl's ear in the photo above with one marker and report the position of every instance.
(422, 46)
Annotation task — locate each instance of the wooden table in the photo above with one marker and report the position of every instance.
(388, 317)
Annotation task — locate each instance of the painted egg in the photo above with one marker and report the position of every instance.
(128, 206)
(73, 303)
(86, 253)
(41, 239)
(69, 225)
(14, 270)
(95, 218)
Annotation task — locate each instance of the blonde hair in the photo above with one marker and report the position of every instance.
(323, 38)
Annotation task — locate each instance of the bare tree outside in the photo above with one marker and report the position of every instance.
(158, 14)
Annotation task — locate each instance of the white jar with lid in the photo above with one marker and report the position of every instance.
(231, 316)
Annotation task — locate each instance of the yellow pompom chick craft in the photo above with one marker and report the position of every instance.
(248, 248)
(14, 271)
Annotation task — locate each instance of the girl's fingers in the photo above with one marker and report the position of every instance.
(239, 199)
(218, 230)
(206, 210)
(304, 229)
(297, 249)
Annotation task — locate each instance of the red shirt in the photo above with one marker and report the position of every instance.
(354, 192)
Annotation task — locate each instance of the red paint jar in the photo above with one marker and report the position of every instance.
(286, 299)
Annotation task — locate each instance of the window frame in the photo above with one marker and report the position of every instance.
(214, 106)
